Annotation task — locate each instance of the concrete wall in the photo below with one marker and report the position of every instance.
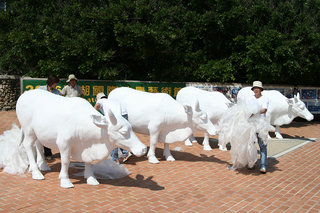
(9, 92)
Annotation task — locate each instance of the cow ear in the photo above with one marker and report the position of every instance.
(196, 106)
(290, 101)
(99, 120)
(187, 108)
(111, 116)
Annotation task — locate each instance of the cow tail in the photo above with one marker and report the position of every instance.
(13, 158)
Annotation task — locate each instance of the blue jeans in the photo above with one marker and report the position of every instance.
(263, 153)
(115, 155)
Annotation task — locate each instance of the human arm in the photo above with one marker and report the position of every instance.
(80, 91)
(97, 106)
(63, 91)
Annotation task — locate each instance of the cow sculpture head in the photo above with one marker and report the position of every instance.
(119, 131)
(200, 119)
(298, 108)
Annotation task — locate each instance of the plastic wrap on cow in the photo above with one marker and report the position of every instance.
(106, 169)
(239, 126)
(13, 158)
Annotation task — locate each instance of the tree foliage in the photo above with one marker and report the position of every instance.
(178, 40)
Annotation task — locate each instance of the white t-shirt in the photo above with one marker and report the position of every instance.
(262, 102)
(115, 107)
(70, 91)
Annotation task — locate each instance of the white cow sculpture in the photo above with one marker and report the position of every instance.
(161, 117)
(213, 103)
(281, 110)
(75, 128)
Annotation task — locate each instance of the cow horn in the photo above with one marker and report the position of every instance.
(196, 106)
(112, 117)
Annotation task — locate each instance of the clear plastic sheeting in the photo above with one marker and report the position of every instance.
(13, 158)
(239, 126)
(106, 169)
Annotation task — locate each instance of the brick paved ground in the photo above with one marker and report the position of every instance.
(198, 181)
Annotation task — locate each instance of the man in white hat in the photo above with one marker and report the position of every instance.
(72, 90)
(263, 103)
(102, 104)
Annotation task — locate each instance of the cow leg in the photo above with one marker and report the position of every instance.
(88, 173)
(205, 143)
(167, 154)
(151, 153)
(222, 147)
(28, 143)
(190, 140)
(65, 151)
(42, 164)
(277, 132)
(193, 139)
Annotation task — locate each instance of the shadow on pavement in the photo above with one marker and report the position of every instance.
(297, 124)
(179, 156)
(272, 162)
(140, 181)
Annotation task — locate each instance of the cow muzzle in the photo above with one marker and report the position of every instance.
(310, 117)
(140, 151)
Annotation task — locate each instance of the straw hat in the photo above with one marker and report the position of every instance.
(100, 95)
(257, 84)
(72, 76)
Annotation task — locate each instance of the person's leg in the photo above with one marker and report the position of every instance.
(263, 155)
(47, 152)
(124, 152)
(114, 155)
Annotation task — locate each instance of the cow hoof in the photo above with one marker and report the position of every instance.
(92, 181)
(194, 141)
(66, 183)
(170, 158)
(187, 143)
(207, 148)
(222, 148)
(153, 159)
(279, 136)
(36, 175)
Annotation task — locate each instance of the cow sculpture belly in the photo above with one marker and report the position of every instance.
(161, 117)
(74, 128)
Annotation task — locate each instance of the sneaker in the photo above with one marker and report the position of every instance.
(126, 157)
(263, 170)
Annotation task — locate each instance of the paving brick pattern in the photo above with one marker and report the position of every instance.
(198, 181)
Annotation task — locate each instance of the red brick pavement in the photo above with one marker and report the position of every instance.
(198, 181)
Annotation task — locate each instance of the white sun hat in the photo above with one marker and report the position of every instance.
(100, 95)
(257, 84)
(71, 76)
